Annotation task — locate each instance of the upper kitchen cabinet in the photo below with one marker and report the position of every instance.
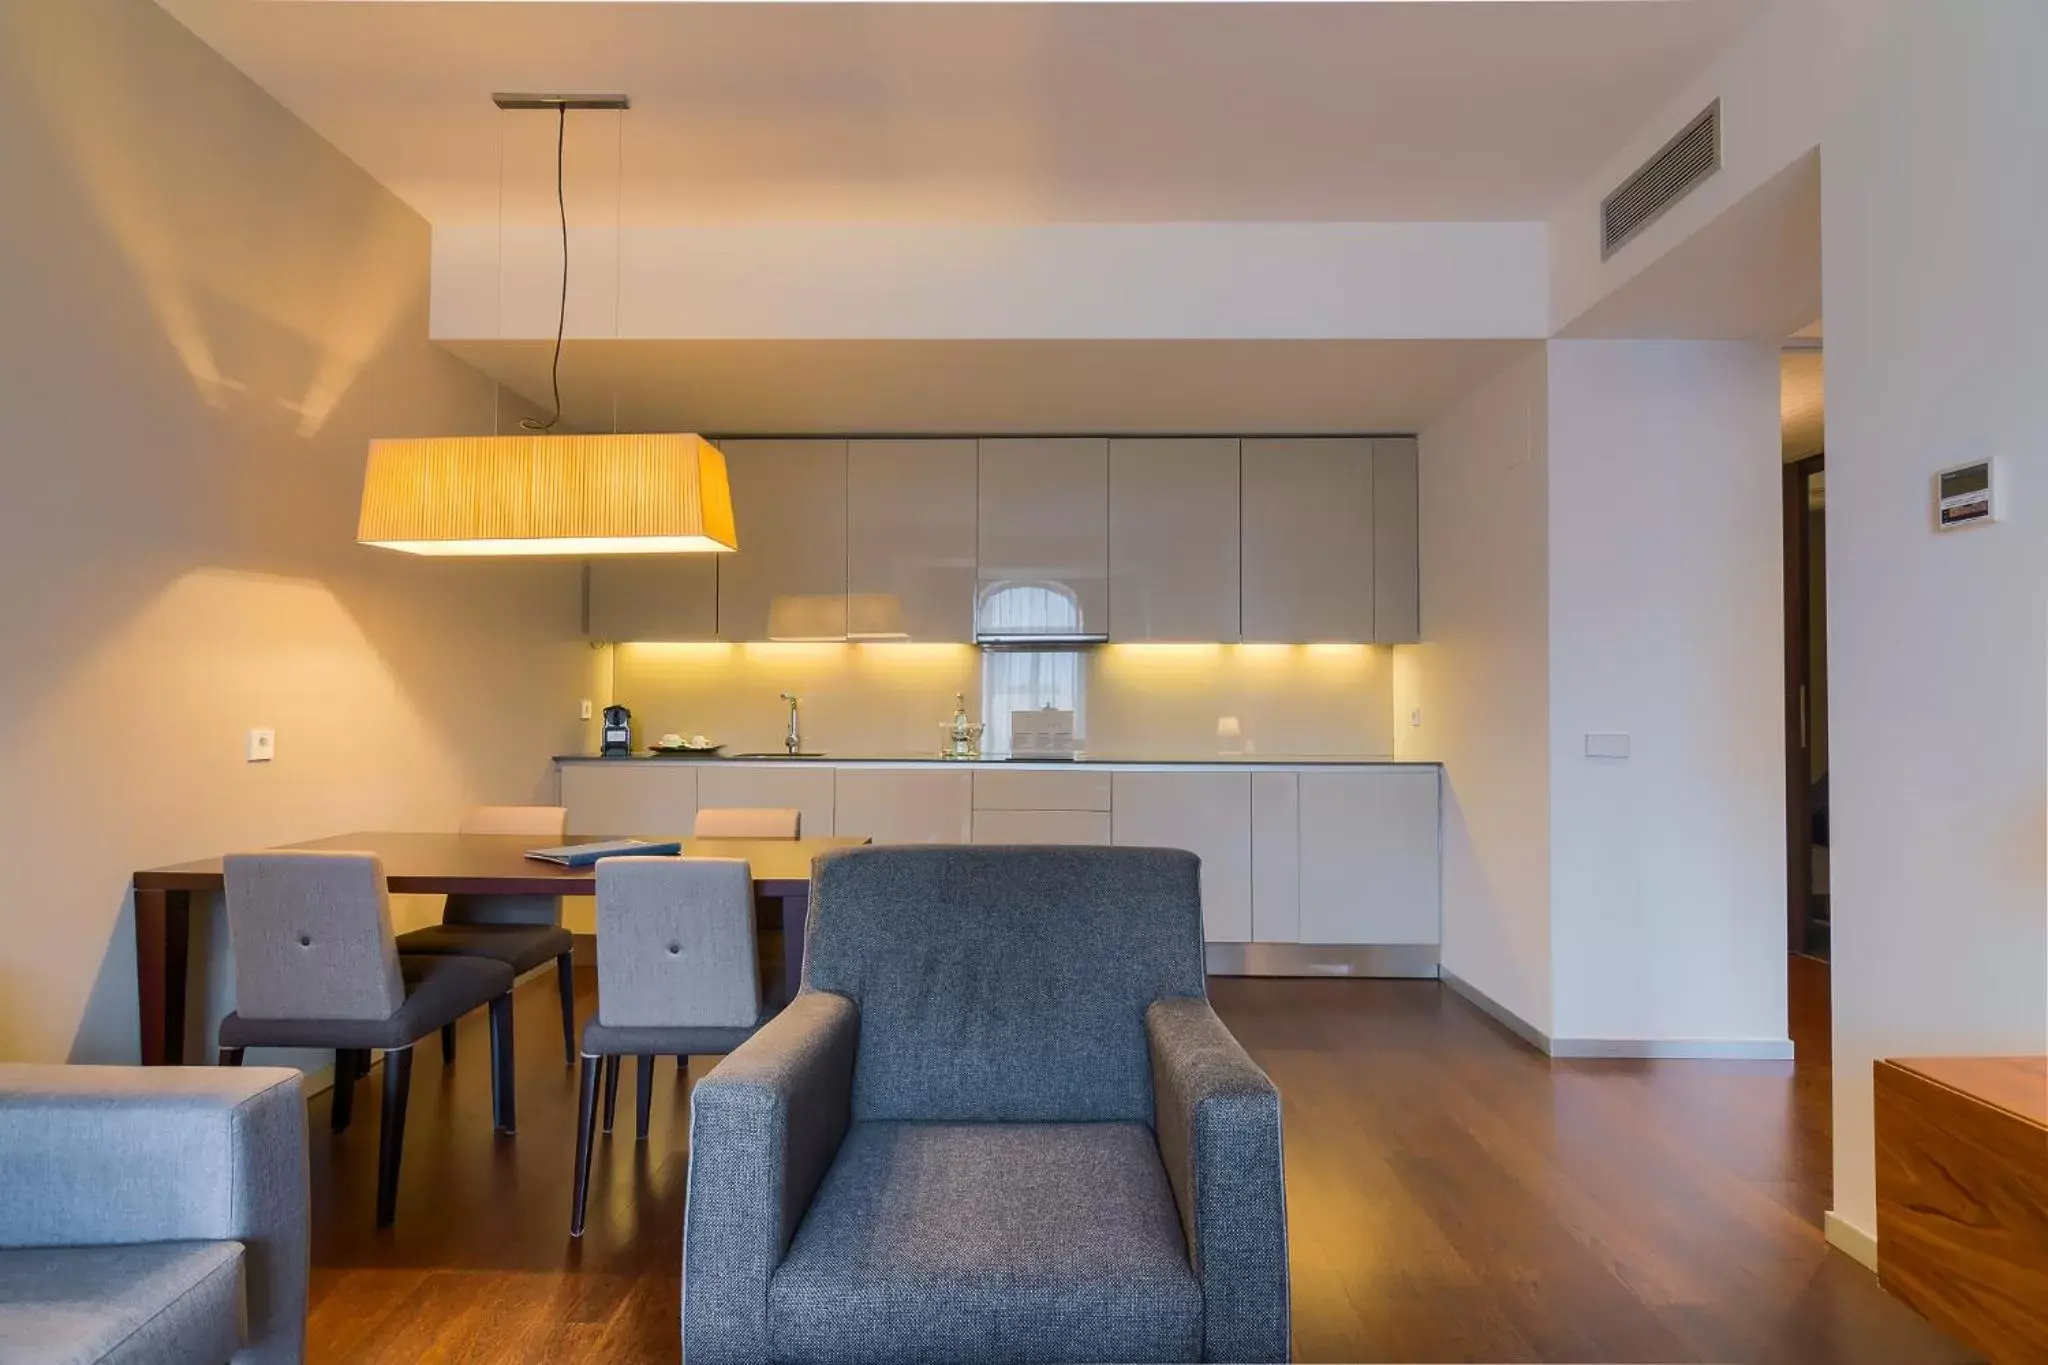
(1308, 539)
(787, 581)
(1173, 539)
(1396, 542)
(1043, 548)
(910, 540)
(652, 597)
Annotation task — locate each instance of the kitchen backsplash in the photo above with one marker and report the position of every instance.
(1135, 701)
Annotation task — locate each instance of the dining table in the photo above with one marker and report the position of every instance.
(444, 864)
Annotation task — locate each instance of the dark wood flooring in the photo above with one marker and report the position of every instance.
(1453, 1196)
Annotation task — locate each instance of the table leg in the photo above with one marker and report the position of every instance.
(163, 942)
(795, 909)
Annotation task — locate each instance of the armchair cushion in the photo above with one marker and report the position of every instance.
(992, 1243)
(160, 1303)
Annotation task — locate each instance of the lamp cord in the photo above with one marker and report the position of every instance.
(562, 309)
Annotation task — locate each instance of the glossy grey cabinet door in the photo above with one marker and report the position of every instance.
(1308, 539)
(1396, 542)
(1173, 538)
(1043, 543)
(652, 597)
(787, 581)
(910, 539)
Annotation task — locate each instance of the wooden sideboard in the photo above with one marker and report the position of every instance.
(1962, 1197)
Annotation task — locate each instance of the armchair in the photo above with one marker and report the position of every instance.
(1000, 1123)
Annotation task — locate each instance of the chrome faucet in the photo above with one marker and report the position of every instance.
(794, 740)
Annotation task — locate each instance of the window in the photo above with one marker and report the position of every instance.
(1026, 679)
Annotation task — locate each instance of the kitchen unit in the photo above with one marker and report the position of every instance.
(1266, 540)
(1325, 867)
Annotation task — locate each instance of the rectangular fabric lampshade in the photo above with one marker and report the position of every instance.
(547, 495)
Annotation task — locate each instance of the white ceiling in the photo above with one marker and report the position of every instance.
(991, 387)
(1489, 110)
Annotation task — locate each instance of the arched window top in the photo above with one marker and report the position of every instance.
(1028, 609)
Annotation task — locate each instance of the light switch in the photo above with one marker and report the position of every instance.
(1606, 746)
(1415, 718)
(586, 708)
(262, 745)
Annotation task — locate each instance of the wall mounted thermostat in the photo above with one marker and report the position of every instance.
(1966, 495)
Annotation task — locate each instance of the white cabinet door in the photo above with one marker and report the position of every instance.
(1308, 540)
(651, 597)
(803, 787)
(1396, 542)
(1039, 789)
(787, 581)
(628, 797)
(905, 806)
(910, 539)
(1043, 544)
(1209, 815)
(1276, 858)
(1041, 827)
(1173, 539)
(1369, 867)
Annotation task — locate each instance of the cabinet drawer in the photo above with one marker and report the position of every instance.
(1041, 827)
(1033, 790)
(627, 798)
(805, 789)
(892, 807)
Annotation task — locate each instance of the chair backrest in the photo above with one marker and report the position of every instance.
(1005, 984)
(547, 822)
(739, 822)
(675, 943)
(311, 935)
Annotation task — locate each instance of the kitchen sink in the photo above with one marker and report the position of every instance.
(781, 753)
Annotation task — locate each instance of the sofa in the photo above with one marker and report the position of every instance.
(152, 1216)
(1000, 1123)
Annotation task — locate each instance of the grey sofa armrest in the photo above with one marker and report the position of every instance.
(109, 1155)
(1218, 1121)
(764, 1127)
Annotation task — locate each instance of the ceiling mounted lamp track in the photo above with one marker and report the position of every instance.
(541, 493)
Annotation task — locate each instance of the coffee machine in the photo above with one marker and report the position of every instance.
(618, 733)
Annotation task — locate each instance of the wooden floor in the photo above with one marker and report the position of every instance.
(1452, 1195)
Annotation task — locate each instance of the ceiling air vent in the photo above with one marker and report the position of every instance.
(1673, 173)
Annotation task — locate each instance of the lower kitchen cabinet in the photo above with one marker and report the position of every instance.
(1209, 815)
(802, 787)
(630, 797)
(897, 806)
(1276, 858)
(1369, 865)
(1041, 827)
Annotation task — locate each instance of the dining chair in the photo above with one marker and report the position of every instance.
(677, 975)
(523, 932)
(741, 822)
(316, 965)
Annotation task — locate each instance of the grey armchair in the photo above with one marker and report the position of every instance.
(153, 1216)
(1000, 1123)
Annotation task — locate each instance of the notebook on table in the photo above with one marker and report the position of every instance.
(583, 855)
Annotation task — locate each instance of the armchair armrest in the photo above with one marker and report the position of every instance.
(1218, 1121)
(107, 1155)
(764, 1127)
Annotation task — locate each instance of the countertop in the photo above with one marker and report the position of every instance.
(1086, 760)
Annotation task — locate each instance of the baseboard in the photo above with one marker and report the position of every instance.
(1402, 961)
(1852, 1241)
(1674, 1049)
(1499, 1013)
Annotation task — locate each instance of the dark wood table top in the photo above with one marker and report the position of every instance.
(495, 864)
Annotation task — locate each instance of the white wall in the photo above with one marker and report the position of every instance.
(1666, 624)
(1482, 682)
(208, 312)
(1937, 297)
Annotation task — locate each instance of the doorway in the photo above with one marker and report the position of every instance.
(1806, 706)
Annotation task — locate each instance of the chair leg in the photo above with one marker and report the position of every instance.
(565, 982)
(345, 1074)
(447, 1045)
(503, 1104)
(643, 1097)
(611, 1092)
(586, 1122)
(231, 1056)
(391, 1141)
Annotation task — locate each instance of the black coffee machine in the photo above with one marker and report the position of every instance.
(618, 733)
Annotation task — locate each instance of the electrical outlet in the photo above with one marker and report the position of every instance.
(587, 708)
(262, 745)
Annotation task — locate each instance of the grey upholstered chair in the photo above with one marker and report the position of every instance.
(677, 975)
(316, 965)
(154, 1215)
(748, 822)
(523, 932)
(1000, 1123)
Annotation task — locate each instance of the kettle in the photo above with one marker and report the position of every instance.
(618, 733)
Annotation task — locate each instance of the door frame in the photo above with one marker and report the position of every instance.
(1798, 700)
